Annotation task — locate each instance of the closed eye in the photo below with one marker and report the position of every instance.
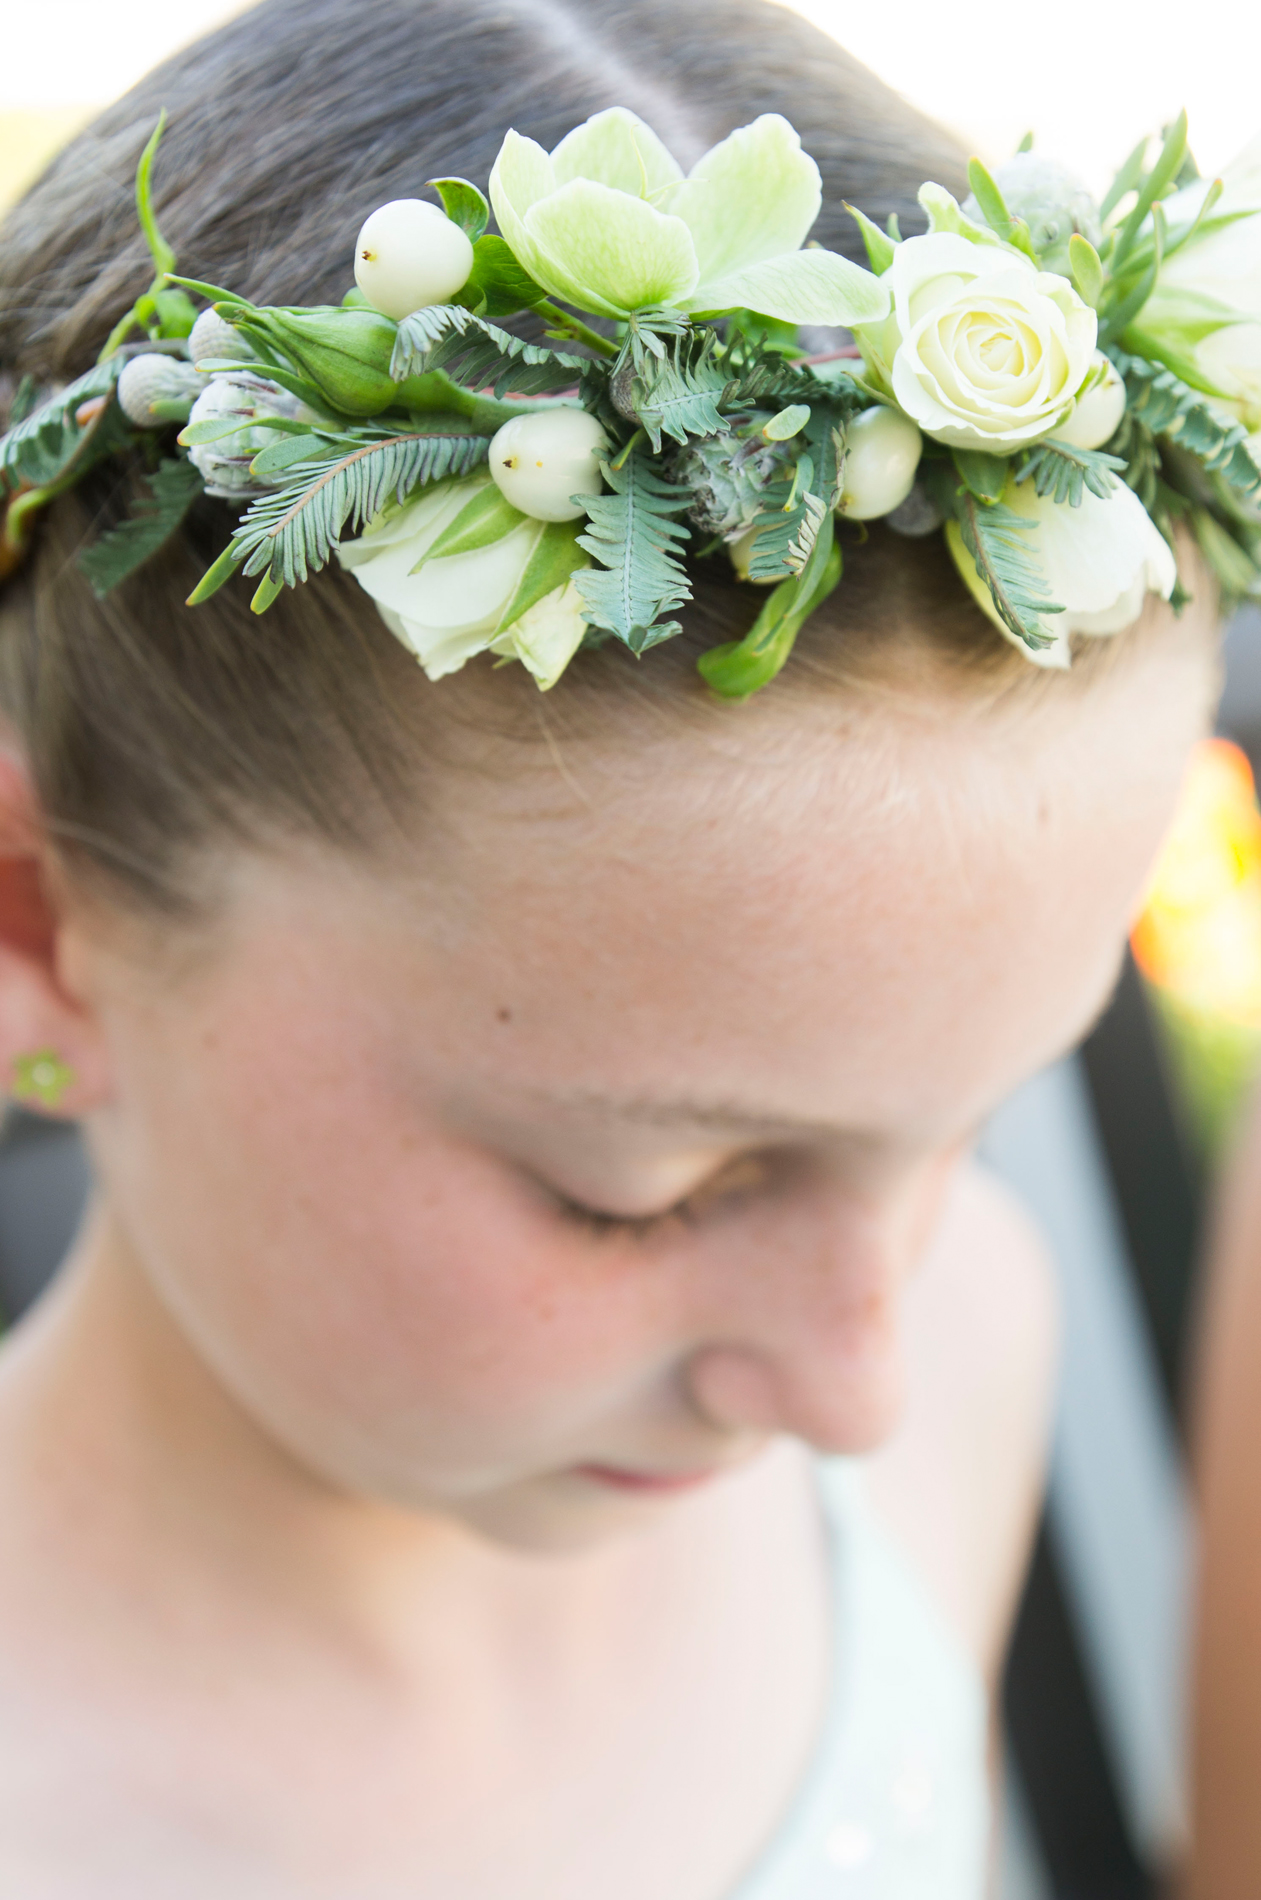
(737, 1181)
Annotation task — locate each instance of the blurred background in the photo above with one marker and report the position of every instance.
(1117, 1147)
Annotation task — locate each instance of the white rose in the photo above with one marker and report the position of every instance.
(1100, 560)
(982, 349)
(452, 609)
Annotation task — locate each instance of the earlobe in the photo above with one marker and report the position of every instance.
(51, 1053)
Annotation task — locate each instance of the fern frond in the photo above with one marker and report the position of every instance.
(1166, 405)
(1063, 472)
(50, 442)
(174, 486)
(997, 538)
(795, 510)
(773, 378)
(291, 534)
(479, 354)
(636, 536)
(678, 392)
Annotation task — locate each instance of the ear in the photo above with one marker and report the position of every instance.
(39, 1015)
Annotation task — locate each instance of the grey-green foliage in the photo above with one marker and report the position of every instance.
(291, 533)
(173, 488)
(676, 392)
(794, 509)
(1065, 473)
(50, 443)
(728, 476)
(1168, 406)
(998, 539)
(637, 537)
(479, 354)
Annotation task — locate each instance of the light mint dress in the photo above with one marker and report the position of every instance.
(895, 1803)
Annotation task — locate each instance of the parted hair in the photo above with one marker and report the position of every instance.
(157, 733)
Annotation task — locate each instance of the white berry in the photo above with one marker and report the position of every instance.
(410, 254)
(882, 451)
(541, 461)
(1096, 415)
(213, 339)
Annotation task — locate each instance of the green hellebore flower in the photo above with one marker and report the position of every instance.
(609, 223)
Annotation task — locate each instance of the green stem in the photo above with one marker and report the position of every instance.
(565, 325)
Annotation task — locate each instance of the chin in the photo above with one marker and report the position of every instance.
(560, 1515)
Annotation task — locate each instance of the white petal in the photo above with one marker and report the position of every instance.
(1100, 558)
(752, 197)
(547, 635)
(521, 175)
(800, 287)
(615, 148)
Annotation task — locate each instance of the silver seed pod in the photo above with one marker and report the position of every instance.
(224, 465)
(154, 390)
(728, 475)
(213, 339)
(1052, 201)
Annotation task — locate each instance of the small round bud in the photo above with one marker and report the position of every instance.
(155, 389)
(236, 395)
(882, 451)
(213, 339)
(410, 254)
(541, 461)
(1096, 415)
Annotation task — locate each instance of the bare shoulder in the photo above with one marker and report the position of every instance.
(959, 1483)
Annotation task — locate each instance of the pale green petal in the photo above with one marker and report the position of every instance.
(753, 197)
(522, 174)
(547, 635)
(615, 148)
(945, 214)
(608, 253)
(801, 287)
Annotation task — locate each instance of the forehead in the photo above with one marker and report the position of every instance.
(879, 924)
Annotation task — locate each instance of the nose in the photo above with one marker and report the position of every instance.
(805, 1334)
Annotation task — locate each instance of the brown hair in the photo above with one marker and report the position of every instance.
(155, 731)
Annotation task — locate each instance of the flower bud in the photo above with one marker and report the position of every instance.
(882, 451)
(155, 389)
(1097, 415)
(213, 339)
(410, 254)
(345, 353)
(224, 465)
(540, 461)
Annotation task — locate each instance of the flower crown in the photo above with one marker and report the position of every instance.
(1055, 383)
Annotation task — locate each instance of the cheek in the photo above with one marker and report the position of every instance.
(385, 1299)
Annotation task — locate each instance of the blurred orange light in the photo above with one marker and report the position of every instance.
(1199, 934)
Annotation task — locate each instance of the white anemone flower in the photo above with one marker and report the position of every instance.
(452, 609)
(1100, 560)
(609, 223)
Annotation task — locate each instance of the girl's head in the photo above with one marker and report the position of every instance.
(502, 1094)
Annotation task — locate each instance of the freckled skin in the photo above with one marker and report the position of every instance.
(357, 1308)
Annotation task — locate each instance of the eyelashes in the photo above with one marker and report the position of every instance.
(738, 1181)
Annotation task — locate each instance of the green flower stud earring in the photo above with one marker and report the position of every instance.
(42, 1077)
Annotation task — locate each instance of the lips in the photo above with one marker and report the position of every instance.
(646, 1483)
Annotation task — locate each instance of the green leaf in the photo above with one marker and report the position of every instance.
(211, 293)
(1026, 144)
(1126, 296)
(214, 428)
(159, 250)
(998, 539)
(636, 536)
(1237, 573)
(267, 591)
(1154, 186)
(488, 517)
(994, 210)
(796, 512)
(985, 476)
(1087, 271)
(741, 667)
(479, 354)
(880, 249)
(292, 449)
(677, 393)
(1165, 405)
(292, 533)
(173, 488)
(558, 553)
(25, 400)
(497, 285)
(1063, 472)
(464, 204)
(50, 444)
(1127, 179)
(787, 423)
(767, 333)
